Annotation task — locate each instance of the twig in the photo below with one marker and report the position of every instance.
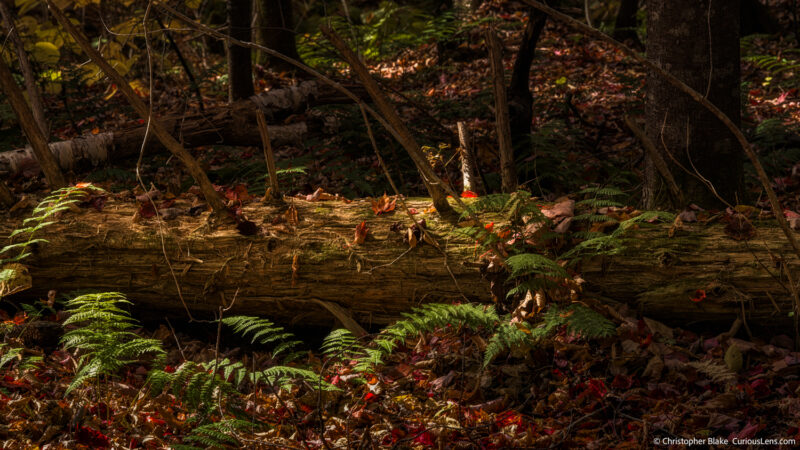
(327, 80)
(508, 171)
(177, 342)
(192, 80)
(422, 229)
(658, 160)
(144, 112)
(748, 150)
(269, 156)
(435, 189)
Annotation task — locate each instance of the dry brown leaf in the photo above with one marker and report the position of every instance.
(361, 233)
(384, 204)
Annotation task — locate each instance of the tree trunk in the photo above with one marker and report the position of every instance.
(55, 178)
(240, 66)
(231, 125)
(34, 96)
(659, 276)
(276, 32)
(376, 281)
(520, 99)
(626, 23)
(281, 273)
(678, 41)
(508, 168)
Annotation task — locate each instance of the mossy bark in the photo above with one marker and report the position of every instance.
(660, 276)
(375, 281)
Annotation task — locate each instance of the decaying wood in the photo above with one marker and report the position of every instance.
(226, 125)
(6, 196)
(311, 273)
(659, 275)
(765, 181)
(469, 164)
(373, 282)
(508, 171)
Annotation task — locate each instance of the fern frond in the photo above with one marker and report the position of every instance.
(534, 264)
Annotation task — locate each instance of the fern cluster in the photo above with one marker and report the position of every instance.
(103, 337)
(504, 335)
(41, 217)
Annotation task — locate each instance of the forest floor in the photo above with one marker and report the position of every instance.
(647, 385)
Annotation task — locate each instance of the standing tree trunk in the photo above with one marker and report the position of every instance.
(709, 157)
(34, 96)
(508, 168)
(276, 32)
(55, 178)
(626, 24)
(520, 99)
(240, 68)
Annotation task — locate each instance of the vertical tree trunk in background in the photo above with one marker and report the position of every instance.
(34, 97)
(678, 37)
(626, 24)
(276, 31)
(508, 168)
(52, 172)
(240, 67)
(520, 99)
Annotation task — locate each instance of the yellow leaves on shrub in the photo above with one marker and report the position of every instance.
(46, 53)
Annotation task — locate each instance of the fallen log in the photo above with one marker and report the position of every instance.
(301, 273)
(702, 275)
(229, 125)
(293, 274)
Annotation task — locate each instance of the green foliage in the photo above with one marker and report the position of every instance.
(382, 32)
(217, 434)
(203, 386)
(265, 332)
(787, 62)
(52, 204)
(341, 344)
(103, 336)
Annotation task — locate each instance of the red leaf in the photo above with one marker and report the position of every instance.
(469, 194)
(699, 296)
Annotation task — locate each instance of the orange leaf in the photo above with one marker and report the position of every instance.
(489, 226)
(361, 233)
(384, 205)
(469, 194)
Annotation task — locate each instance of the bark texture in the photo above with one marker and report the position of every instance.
(300, 273)
(659, 276)
(626, 24)
(283, 273)
(240, 65)
(276, 31)
(231, 125)
(697, 41)
(520, 99)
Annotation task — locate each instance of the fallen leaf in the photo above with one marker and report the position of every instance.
(361, 233)
(384, 204)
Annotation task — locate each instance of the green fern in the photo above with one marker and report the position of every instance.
(264, 332)
(219, 434)
(103, 336)
(527, 264)
(340, 345)
(54, 203)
